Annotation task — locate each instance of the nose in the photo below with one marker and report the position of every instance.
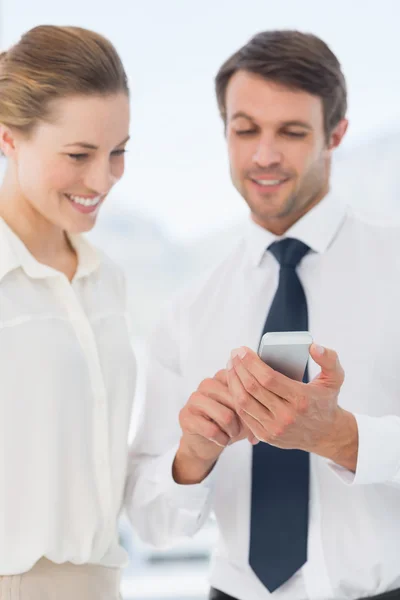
(100, 177)
(267, 153)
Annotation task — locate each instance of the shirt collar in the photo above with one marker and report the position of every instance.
(14, 254)
(8, 259)
(317, 229)
(89, 258)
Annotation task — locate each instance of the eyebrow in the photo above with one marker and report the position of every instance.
(88, 146)
(294, 123)
(240, 114)
(303, 124)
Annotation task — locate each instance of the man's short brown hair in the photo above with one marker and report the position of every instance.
(299, 61)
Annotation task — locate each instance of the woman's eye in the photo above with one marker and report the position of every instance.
(78, 156)
(83, 156)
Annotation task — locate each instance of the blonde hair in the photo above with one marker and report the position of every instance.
(51, 62)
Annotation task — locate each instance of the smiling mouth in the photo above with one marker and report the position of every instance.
(87, 202)
(269, 182)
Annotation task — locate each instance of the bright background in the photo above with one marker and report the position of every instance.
(175, 209)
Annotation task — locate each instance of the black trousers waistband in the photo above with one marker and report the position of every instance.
(393, 595)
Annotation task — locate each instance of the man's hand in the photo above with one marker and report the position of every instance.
(291, 414)
(209, 423)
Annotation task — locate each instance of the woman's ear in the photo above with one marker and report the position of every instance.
(7, 141)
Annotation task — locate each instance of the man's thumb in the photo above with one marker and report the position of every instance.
(331, 370)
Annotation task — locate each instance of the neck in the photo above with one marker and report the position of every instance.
(44, 240)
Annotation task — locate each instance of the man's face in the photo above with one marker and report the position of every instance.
(278, 152)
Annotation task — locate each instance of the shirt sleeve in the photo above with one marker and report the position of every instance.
(161, 510)
(378, 452)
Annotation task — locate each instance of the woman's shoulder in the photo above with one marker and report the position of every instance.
(109, 269)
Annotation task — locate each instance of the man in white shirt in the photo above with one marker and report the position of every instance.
(283, 101)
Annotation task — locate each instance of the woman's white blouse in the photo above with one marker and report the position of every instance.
(67, 378)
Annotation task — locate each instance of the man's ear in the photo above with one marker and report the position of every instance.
(7, 141)
(338, 134)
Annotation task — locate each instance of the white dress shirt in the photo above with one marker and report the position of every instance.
(352, 283)
(67, 378)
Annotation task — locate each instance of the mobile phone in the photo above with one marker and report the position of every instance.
(286, 352)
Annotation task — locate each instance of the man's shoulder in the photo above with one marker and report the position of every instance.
(371, 246)
(221, 268)
(374, 232)
(207, 284)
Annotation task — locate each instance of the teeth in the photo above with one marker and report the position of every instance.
(84, 201)
(267, 182)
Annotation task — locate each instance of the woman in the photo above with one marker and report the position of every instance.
(66, 366)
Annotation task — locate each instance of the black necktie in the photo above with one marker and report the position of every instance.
(280, 478)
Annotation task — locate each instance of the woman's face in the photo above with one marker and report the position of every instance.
(65, 169)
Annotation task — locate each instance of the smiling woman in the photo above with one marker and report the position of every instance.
(64, 338)
(64, 114)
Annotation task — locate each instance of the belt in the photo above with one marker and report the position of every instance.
(393, 595)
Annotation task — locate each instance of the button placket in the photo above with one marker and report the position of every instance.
(84, 333)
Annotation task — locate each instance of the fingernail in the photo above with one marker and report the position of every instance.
(319, 349)
(229, 365)
(240, 352)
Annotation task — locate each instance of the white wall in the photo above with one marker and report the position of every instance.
(177, 170)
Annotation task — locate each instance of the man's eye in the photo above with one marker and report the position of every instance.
(118, 152)
(296, 134)
(78, 156)
(245, 131)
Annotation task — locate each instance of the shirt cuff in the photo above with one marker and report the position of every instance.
(191, 496)
(378, 452)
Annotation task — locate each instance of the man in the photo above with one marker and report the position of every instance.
(312, 511)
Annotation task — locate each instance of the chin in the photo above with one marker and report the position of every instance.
(269, 210)
(81, 226)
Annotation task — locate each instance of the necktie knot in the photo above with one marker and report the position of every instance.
(289, 252)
